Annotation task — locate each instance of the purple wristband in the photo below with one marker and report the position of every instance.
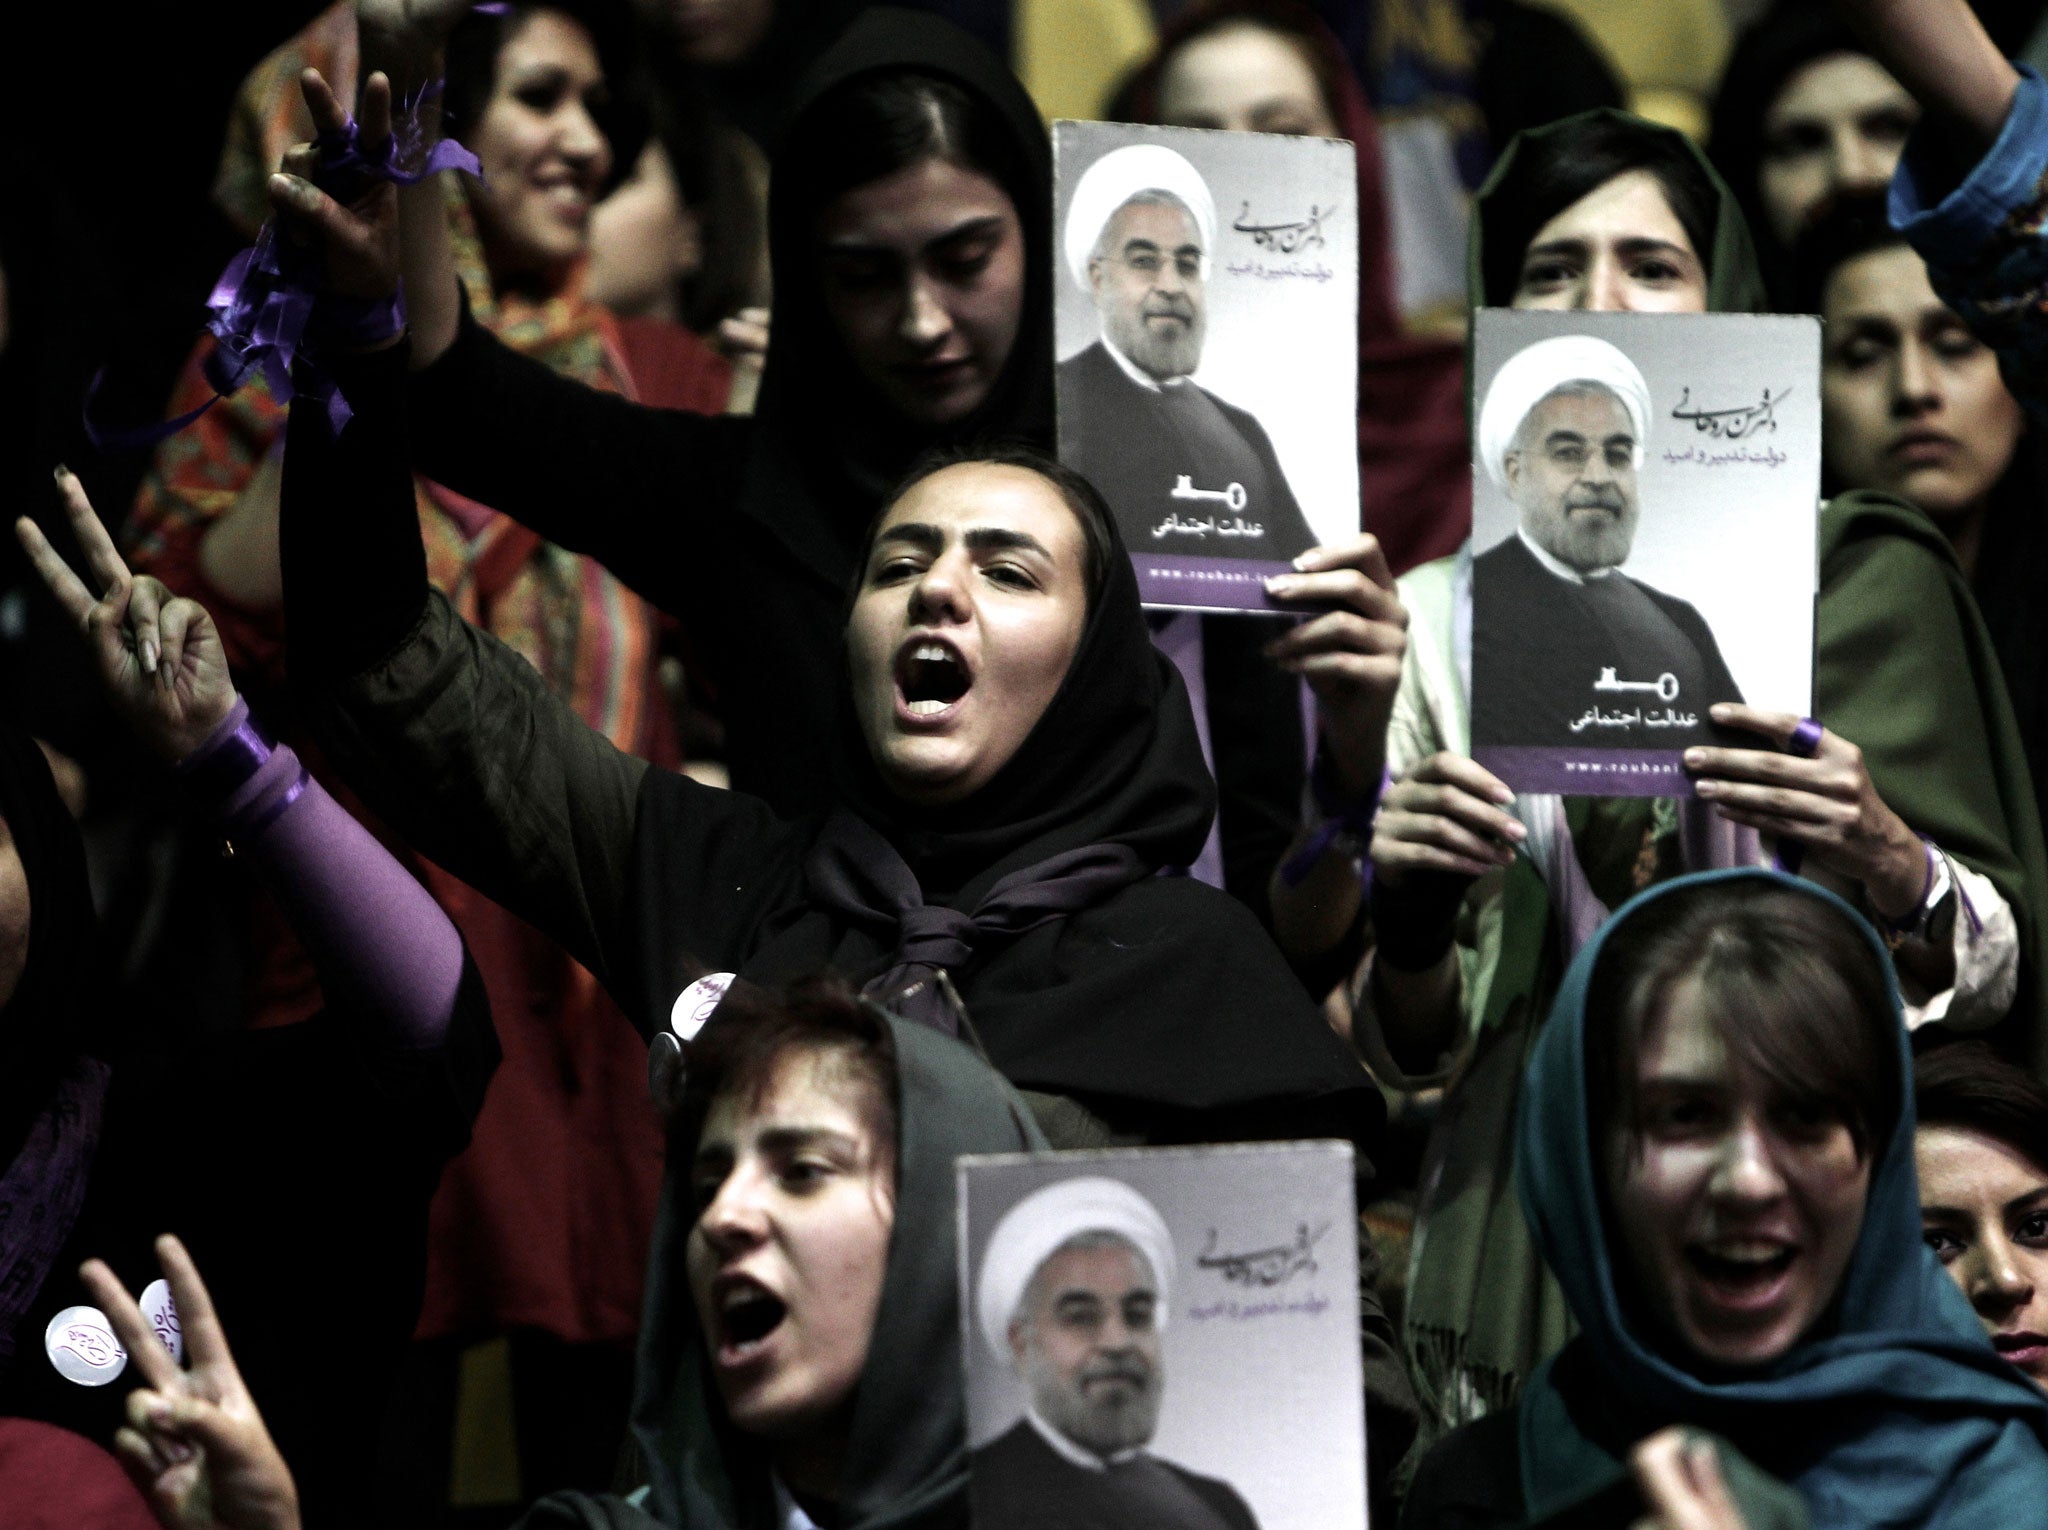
(236, 750)
(356, 324)
(1340, 818)
(1911, 922)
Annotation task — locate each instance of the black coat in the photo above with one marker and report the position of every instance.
(1134, 446)
(1021, 1483)
(1538, 648)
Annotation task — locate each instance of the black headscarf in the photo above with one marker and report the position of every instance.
(1151, 991)
(826, 449)
(55, 1013)
(906, 1459)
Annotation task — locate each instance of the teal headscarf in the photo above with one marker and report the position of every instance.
(1901, 1415)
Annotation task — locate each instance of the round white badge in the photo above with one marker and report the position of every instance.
(695, 1004)
(161, 1313)
(82, 1346)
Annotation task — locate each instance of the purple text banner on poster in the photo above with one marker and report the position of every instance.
(1590, 772)
(1208, 584)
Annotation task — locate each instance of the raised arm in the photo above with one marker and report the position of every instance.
(1939, 51)
(631, 486)
(449, 734)
(377, 939)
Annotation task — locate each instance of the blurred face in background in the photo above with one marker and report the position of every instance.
(543, 155)
(1911, 401)
(1244, 78)
(1838, 126)
(644, 242)
(717, 33)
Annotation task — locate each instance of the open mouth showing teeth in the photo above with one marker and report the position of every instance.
(750, 1317)
(932, 678)
(1742, 1269)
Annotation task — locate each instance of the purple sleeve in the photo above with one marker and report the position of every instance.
(377, 938)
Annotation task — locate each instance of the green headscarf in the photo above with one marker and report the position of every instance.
(1904, 668)
(1901, 1413)
(906, 1458)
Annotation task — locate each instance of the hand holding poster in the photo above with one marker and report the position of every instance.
(1151, 1335)
(1645, 510)
(1206, 324)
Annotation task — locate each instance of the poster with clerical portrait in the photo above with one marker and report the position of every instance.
(1645, 521)
(1163, 1336)
(1206, 332)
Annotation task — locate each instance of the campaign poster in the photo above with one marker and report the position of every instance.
(1206, 330)
(1645, 519)
(1150, 1336)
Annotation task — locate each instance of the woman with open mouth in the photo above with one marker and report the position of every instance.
(1715, 1152)
(909, 235)
(800, 1361)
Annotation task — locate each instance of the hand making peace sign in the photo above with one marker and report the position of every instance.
(159, 656)
(194, 1444)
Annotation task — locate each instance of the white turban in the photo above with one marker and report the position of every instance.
(1036, 1227)
(1531, 375)
(1117, 177)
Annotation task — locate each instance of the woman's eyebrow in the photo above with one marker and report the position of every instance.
(918, 534)
(1552, 248)
(781, 1140)
(1645, 245)
(1003, 539)
(973, 228)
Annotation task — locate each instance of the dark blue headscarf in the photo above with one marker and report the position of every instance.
(1898, 1414)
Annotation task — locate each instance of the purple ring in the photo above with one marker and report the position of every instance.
(1806, 737)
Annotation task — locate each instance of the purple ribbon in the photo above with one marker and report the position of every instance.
(1339, 818)
(267, 310)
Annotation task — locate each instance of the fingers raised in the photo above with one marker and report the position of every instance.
(329, 116)
(102, 560)
(129, 1325)
(205, 1344)
(71, 594)
(375, 122)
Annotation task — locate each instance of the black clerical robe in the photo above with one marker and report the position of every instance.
(1540, 645)
(1021, 1483)
(1136, 444)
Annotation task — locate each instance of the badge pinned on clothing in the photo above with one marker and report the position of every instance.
(665, 1063)
(82, 1346)
(160, 1311)
(694, 1004)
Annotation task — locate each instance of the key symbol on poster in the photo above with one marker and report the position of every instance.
(1664, 687)
(1184, 488)
(160, 1311)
